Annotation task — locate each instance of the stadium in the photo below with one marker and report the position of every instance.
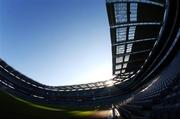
(145, 62)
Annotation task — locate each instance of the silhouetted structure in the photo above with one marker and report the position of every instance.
(146, 59)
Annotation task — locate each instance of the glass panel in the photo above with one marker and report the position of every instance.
(124, 65)
(126, 58)
(121, 34)
(120, 10)
(119, 66)
(117, 72)
(133, 11)
(119, 59)
(120, 49)
(123, 70)
(129, 48)
(131, 32)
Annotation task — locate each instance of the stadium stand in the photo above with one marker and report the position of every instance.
(146, 64)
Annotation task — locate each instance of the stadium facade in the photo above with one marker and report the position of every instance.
(146, 59)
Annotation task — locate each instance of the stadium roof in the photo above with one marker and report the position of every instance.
(134, 29)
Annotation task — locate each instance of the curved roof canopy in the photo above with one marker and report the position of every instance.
(134, 28)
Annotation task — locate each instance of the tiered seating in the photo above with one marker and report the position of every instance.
(159, 98)
(170, 105)
(165, 108)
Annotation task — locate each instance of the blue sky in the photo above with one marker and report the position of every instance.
(56, 42)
